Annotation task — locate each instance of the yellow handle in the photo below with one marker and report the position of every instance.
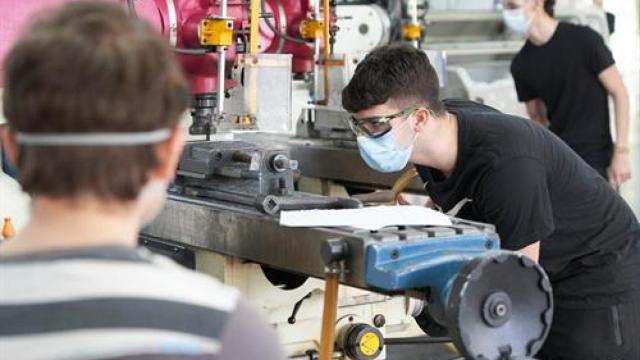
(403, 181)
(329, 316)
(254, 35)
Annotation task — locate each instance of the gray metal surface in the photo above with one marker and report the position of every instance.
(243, 232)
(236, 167)
(263, 91)
(246, 233)
(336, 160)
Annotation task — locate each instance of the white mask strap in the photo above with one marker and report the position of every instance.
(93, 139)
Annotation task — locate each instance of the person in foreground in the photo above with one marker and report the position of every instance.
(545, 201)
(92, 98)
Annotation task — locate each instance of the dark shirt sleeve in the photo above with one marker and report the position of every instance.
(523, 89)
(249, 336)
(597, 54)
(515, 198)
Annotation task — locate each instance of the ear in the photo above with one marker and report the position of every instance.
(168, 153)
(422, 117)
(538, 5)
(9, 143)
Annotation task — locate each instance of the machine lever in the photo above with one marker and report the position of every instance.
(296, 307)
(272, 204)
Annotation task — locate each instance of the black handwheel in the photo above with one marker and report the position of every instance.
(429, 325)
(500, 307)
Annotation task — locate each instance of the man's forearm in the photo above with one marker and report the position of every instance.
(536, 111)
(622, 120)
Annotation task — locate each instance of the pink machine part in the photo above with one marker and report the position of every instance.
(201, 70)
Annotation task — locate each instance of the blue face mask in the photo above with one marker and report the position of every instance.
(383, 154)
(516, 20)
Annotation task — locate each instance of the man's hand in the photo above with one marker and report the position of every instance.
(532, 251)
(416, 200)
(537, 112)
(620, 169)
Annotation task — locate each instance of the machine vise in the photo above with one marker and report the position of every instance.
(251, 174)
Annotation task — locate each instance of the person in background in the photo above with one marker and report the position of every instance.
(564, 74)
(92, 98)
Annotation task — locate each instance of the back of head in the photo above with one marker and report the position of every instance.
(549, 7)
(399, 73)
(90, 68)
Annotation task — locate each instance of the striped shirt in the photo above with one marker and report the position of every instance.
(122, 303)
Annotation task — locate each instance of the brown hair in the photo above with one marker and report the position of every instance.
(549, 6)
(398, 72)
(90, 68)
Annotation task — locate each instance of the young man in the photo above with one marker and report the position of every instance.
(564, 73)
(544, 200)
(92, 98)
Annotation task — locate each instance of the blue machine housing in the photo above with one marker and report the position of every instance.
(431, 262)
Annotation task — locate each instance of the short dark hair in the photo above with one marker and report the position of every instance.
(397, 72)
(89, 67)
(549, 7)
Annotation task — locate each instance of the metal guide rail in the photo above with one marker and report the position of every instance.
(242, 231)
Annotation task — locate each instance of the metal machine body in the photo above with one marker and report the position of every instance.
(179, 21)
(203, 32)
(362, 28)
(440, 267)
(235, 166)
(251, 174)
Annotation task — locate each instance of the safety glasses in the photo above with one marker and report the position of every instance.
(376, 126)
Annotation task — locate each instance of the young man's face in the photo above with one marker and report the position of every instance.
(399, 124)
(519, 15)
(386, 135)
(528, 6)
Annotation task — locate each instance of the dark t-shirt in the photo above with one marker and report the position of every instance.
(533, 187)
(563, 73)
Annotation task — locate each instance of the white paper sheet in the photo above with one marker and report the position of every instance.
(369, 218)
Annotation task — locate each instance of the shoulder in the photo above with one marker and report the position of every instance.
(467, 106)
(580, 32)
(479, 116)
(491, 135)
(570, 28)
(113, 272)
(506, 137)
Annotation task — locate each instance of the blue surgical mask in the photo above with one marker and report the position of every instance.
(383, 154)
(516, 20)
